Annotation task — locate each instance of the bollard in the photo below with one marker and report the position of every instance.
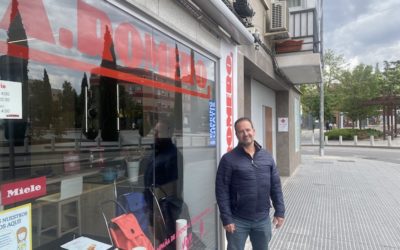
(76, 144)
(340, 140)
(371, 139)
(98, 140)
(326, 140)
(53, 143)
(26, 144)
(355, 140)
(119, 141)
(389, 140)
(312, 139)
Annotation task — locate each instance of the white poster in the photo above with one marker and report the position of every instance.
(283, 124)
(16, 228)
(227, 98)
(10, 100)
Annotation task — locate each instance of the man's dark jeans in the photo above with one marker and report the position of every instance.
(259, 232)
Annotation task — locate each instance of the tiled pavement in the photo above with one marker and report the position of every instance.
(341, 203)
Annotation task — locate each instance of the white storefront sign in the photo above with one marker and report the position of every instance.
(10, 100)
(228, 90)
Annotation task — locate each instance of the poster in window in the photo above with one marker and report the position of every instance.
(16, 228)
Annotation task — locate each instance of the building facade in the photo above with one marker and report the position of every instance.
(133, 102)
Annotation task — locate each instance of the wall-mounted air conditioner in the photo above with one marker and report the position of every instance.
(279, 16)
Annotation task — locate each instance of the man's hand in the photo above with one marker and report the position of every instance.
(230, 228)
(278, 222)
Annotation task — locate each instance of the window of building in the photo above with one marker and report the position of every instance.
(91, 80)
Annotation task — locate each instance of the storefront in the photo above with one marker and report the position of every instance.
(98, 105)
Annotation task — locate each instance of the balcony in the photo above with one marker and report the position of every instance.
(299, 57)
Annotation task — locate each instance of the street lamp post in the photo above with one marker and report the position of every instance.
(321, 93)
(321, 119)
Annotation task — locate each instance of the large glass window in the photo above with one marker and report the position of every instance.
(111, 109)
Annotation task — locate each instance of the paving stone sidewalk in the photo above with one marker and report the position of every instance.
(341, 203)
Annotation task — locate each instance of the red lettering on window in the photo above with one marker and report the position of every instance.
(95, 36)
(185, 62)
(128, 45)
(66, 38)
(90, 21)
(34, 17)
(172, 65)
(201, 74)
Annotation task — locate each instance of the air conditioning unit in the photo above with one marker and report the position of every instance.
(279, 16)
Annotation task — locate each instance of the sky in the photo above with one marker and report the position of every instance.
(363, 31)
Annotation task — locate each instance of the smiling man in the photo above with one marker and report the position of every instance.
(247, 179)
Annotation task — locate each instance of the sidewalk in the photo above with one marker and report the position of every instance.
(340, 203)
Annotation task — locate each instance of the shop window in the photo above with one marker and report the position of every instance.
(89, 108)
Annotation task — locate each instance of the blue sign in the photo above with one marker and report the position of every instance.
(212, 110)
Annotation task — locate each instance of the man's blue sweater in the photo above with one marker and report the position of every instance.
(245, 185)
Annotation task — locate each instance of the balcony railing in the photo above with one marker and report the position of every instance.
(304, 30)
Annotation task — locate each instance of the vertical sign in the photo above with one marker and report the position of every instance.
(212, 109)
(228, 65)
(16, 228)
(10, 100)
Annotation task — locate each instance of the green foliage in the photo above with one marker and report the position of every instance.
(348, 134)
(356, 88)
(349, 90)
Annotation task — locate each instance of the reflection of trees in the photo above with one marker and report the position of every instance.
(80, 107)
(40, 97)
(108, 93)
(129, 110)
(91, 131)
(65, 109)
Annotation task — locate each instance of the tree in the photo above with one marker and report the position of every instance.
(68, 102)
(80, 107)
(47, 100)
(334, 67)
(108, 92)
(356, 88)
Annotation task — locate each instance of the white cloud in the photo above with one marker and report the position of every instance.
(369, 37)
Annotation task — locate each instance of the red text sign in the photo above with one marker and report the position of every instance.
(23, 190)
(229, 102)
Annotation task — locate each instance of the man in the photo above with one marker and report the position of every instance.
(247, 179)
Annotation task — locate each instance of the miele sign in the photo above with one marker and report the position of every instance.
(22, 190)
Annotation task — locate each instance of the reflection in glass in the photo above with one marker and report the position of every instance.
(140, 96)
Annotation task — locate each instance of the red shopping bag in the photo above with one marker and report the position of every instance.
(126, 233)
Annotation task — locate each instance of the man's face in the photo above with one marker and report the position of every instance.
(245, 133)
